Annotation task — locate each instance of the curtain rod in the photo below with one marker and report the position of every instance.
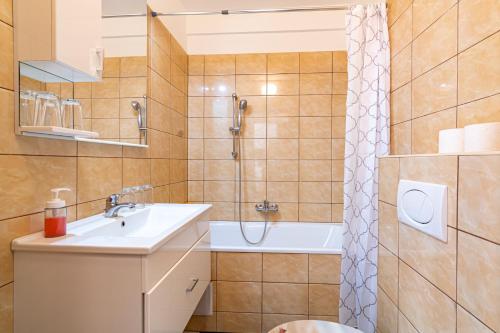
(239, 11)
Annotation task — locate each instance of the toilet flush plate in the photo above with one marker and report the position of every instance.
(424, 207)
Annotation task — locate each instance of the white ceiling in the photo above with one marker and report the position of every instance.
(216, 5)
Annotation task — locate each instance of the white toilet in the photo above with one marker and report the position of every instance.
(313, 326)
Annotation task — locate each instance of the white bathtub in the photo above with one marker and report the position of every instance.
(281, 237)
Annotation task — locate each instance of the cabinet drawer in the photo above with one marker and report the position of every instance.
(172, 301)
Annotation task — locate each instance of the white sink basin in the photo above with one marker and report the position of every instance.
(138, 231)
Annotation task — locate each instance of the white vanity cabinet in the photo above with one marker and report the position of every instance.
(62, 37)
(86, 283)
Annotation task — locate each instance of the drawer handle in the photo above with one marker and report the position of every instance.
(195, 282)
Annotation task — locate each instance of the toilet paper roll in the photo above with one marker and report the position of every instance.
(451, 141)
(482, 137)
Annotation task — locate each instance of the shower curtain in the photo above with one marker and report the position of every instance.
(367, 137)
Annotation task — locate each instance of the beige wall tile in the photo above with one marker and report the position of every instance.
(239, 296)
(195, 191)
(105, 108)
(315, 149)
(468, 323)
(220, 85)
(315, 62)
(160, 61)
(283, 127)
(6, 11)
(339, 61)
(482, 111)
(250, 149)
(436, 44)
(442, 81)
(338, 170)
(217, 128)
(239, 266)
(315, 192)
(7, 308)
(136, 172)
(196, 85)
(426, 12)
(338, 127)
(339, 83)
(388, 273)
(283, 191)
(251, 85)
(238, 322)
(315, 170)
(283, 106)
(320, 83)
(478, 184)
(256, 106)
(133, 66)
(251, 63)
(32, 177)
(338, 149)
(202, 323)
(7, 56)
(401, 104)
(107, 128)
(387, 314)
(253, 192)
(285, 267)
(283, 149)
(217, 107)
(388, 225)
(98, 177)
(316, 105)
(478, 70)
(219, 191)
(314, 212)
(111, 67)
(477, 19)
(425, 130)
(324, 299)
(220, 64)
(401, 139)
(253, 170)
(432, 258)
(254, 128)
(282, 170)
(218, 148)
(196, 65)
(270, 321)
(283, 84)
(404, 326)
(285, 298)
(435, 169)
(401, 67)
(388, 179)
(288, 212)
(282, 63)
(400, 33)
(423, 304)
(338, 105)
(324, 268)
(395, 8)
(107, 88)
(219, 169)
(315, 128)
(478, 288)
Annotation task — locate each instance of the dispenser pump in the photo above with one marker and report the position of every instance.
(57, 202)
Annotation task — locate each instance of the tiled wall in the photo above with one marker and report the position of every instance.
(106, 104)
(445, 71)
(255, 292)
(29, 167)
(292, 139)
(426, 285)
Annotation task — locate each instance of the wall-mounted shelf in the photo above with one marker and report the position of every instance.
(58, 131)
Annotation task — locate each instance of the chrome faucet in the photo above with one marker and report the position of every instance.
(266, 207)
(113, 206)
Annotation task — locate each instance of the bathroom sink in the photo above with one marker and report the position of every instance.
(136, 231)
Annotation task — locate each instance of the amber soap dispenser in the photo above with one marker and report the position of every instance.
(56, 215)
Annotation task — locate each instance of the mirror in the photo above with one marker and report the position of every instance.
(110, 110)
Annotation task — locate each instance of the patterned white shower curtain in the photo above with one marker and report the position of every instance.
(367, 137)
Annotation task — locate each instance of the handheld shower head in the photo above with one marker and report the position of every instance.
(136, 106)
(243, 104)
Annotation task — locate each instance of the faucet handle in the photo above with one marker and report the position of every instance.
(112, 200)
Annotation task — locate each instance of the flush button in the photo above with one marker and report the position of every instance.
(423, 206)
(418, 206)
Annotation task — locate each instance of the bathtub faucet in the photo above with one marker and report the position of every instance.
(266, 207)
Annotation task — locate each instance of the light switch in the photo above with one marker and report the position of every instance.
(423, 206)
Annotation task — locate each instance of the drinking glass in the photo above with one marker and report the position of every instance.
(47, 110)
(27, 107)
(71, 114)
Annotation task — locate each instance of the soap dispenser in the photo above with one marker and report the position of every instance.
(56, 215)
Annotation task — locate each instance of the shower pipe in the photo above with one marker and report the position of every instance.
(240, 11)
